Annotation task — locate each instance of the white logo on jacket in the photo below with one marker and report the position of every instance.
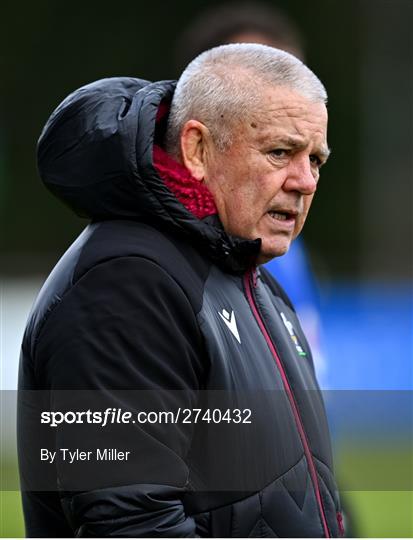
(231, 323)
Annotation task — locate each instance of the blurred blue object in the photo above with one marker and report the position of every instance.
(293, 272)
(361, 335)
(368, 330)
(361, 332)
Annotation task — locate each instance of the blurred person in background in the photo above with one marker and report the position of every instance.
(190, 188)
(255, 22)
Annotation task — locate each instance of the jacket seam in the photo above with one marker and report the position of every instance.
(279, 477)
(329, 493)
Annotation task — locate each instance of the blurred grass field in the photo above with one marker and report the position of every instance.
(382, 514)
(11, 516)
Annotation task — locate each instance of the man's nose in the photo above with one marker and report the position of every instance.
(301, 175)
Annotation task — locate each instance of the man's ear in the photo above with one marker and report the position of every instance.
(194, 140)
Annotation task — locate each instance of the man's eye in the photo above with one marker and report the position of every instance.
(316, 160)
(279, 152)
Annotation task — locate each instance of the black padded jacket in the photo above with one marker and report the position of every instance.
(151, 299)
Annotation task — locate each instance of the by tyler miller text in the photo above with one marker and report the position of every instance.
(77, 455)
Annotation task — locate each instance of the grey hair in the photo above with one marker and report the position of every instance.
(221, 86)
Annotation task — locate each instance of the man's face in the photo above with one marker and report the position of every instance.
(264, 183)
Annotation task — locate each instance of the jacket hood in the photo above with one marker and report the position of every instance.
(95, 153)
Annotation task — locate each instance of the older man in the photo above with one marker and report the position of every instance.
(188, 190)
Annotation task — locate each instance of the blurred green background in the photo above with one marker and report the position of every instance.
(360, 227)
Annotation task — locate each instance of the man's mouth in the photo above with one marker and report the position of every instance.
(282, 215)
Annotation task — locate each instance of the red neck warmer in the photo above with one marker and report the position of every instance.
(194, 195)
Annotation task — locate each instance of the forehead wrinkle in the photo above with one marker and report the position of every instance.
(295, 124)
(298, 123)
(279, 111)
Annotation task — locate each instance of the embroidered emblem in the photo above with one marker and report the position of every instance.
(293, 337)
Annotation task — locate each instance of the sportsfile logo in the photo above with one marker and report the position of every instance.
(231, 323)
(289, 326)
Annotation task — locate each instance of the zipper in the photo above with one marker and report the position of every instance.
(340, 522)
(250, 280)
